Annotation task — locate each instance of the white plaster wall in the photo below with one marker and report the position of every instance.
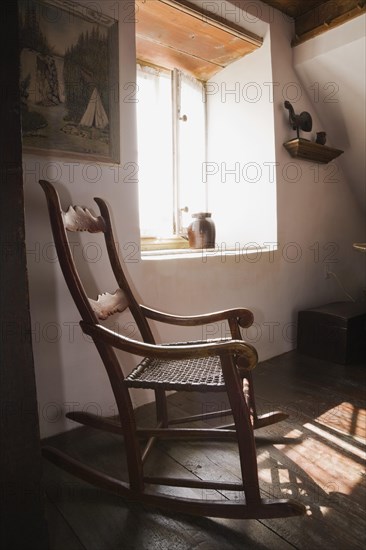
(240, 170)
(69, 372)
(276, 286)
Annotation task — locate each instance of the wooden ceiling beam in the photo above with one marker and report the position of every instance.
(293, 8)
(213, 20)
(170, 58)
(326, 16)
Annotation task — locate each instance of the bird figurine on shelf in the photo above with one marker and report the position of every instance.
(303, 121)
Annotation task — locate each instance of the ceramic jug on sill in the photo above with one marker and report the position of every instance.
(202, 231)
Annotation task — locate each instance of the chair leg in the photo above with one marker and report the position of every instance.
(161, 408)
(126, 415)
(259, 421)
(244, 429)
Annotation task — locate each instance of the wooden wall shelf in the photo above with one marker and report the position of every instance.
(309, 150)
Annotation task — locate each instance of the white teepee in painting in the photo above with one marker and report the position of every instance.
(95, 114)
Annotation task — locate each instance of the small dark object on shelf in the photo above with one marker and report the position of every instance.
(303, 121)
(321, 138)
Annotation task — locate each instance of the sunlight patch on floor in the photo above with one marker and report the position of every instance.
(336, 440)
(347, 419)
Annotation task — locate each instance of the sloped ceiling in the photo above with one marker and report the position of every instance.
(294, 8)
(313, 17)
(336, 62)
(330, 53)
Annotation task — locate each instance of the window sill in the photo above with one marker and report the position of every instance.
(203, 254)
(152, 244)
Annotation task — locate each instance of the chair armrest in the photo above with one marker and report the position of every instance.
(244, 317)
(246, 355)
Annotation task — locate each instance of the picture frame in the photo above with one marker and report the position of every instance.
(69, 80)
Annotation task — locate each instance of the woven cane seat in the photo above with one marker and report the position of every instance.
(203, 374)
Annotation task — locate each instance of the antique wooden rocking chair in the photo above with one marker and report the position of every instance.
(221, 365)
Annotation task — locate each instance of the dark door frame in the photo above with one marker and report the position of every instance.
(22, 520)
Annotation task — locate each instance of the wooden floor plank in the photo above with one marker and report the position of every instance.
(316, 457)
(326, 469)
(104, 521)
(76, 499)
(61, 536)
(325, 477)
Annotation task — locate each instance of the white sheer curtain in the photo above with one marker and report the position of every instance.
(192, 147)
(155, 151)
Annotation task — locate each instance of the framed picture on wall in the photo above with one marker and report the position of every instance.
(69, 80)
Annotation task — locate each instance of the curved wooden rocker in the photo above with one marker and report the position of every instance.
(218, 365)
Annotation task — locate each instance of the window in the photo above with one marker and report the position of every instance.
(206, 141)
(171, 124)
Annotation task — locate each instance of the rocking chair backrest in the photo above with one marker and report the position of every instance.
(92, 311)
(81, 219)
(192, 359)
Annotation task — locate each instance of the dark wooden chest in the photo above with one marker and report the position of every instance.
(335, 332)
